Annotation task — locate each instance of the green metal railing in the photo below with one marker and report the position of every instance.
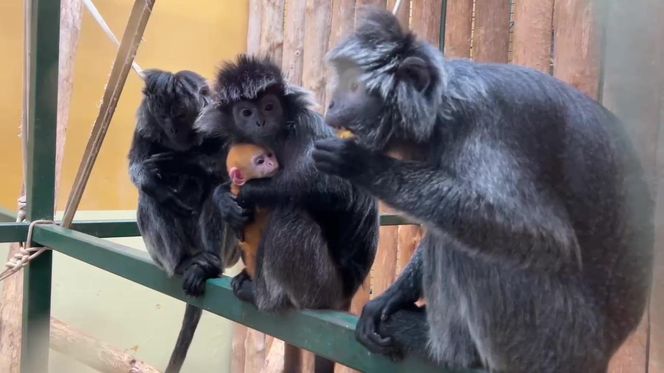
(326, 333)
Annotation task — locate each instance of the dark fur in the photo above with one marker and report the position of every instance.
(175, 174)
(321, 240)
(538, 250)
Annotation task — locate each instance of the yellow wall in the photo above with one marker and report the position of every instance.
(194, 35)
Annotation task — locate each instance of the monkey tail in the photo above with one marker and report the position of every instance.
(192, 315)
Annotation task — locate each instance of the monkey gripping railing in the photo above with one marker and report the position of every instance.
(326, 333)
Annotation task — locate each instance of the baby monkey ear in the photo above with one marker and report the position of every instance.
(236, 176)
(415, 71)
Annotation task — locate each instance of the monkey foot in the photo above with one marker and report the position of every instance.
(243, 287)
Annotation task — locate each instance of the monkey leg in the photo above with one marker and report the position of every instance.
(166, 236)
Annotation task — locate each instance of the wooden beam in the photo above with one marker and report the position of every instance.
(292, 60)
(272, 30)
(93, 353)
(577, 52)
(458, 28)
(317, 33)
(425, 21)
(492, 31)
(532, 37)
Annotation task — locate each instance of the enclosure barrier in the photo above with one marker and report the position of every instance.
(326, 333)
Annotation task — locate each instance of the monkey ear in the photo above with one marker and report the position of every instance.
(236, 176)
(415, 71)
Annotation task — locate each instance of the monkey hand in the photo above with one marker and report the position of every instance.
(373, 315)
(341, 157)
(202, 267)
(243, 287)
(169, 197)
(232, 212)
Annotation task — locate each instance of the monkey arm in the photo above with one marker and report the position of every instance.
(303, 186)
(522, 222)
(401, 295)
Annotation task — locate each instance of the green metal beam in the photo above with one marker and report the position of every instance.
(13, 232)
(43, 42)
(330, 334)
(107, 228)
(17, 232)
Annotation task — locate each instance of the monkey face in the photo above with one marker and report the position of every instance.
(265, 164)
(172, 103)
(260, 118)
(355, 109)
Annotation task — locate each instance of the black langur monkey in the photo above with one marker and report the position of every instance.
(320, 240)
(538, 250)
(175, 173)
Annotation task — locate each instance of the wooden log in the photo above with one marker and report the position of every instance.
(254, 351)
(317, 32)
(94, 353)
(294, 40)
(403, 14)
(369, 3)
(343, 21)
(577, 50)
(384, 267)
(425, 19)
(237, 347)
(274, 362)
(272, 30)
(409, 238)
(458, 28)
(491, 33)
(531, 40)
(70, 30)
(11, 311)
(254, 27)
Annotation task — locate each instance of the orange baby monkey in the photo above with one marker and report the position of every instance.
(246, 162)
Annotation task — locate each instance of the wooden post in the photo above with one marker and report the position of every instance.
(317, 26)
(577, 45)
(343, 21)
(491, 33)
(458, 28)
(254, 27)
(531, 43)
(272, 29)
(425, 21)
(292, 60)
(93, 353)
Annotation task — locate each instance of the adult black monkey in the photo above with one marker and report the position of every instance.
(175, 173)
(321, 238)
(539, 245)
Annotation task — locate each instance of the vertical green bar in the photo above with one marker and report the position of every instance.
(43, 39)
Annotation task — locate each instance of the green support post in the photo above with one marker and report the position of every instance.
(43, 39)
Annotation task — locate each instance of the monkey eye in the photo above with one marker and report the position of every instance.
(269, 155)
(269, 107)
(260, 161)
(246, 112)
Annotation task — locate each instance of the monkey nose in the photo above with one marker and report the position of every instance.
(260, 123)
